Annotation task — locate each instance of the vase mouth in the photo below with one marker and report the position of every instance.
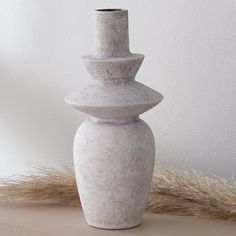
(107, 10)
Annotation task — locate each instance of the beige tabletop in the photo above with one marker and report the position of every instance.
(41, 220)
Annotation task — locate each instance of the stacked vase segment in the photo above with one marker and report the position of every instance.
(114, 151)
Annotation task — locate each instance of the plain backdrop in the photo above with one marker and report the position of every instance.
(190, 48)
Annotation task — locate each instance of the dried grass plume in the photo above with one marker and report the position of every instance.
(173, 191)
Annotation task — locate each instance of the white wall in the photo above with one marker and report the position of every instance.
(190, 48)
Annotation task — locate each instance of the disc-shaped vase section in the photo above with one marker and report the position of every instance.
(114, 69)
(114, 101)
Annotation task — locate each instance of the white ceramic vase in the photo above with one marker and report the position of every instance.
(114, 151)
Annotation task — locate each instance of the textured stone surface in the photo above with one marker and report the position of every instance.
(116, 68)
(111, 33)
(111, 101)
(114, 165)
(114, 151)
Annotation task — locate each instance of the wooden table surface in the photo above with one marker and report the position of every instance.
(40, 220)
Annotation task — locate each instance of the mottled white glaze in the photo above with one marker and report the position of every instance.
(111, 33)
(114, 151)
(114, 68)
(114, 165)
(114, 100)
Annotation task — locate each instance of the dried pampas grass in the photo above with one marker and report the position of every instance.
(173, 191)
(44, 185)
(182, 192)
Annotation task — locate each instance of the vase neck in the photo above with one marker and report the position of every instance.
(114, 121)
(114, 81)
(111, 33)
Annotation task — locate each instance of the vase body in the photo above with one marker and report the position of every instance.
(114, 151)
(114, 165)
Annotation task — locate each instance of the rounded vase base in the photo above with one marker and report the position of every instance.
(114, 227)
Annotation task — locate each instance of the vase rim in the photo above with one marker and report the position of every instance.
(110, 10)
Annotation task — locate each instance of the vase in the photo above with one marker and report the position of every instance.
(114, 150)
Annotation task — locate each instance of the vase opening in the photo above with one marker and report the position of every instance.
(109, 9)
